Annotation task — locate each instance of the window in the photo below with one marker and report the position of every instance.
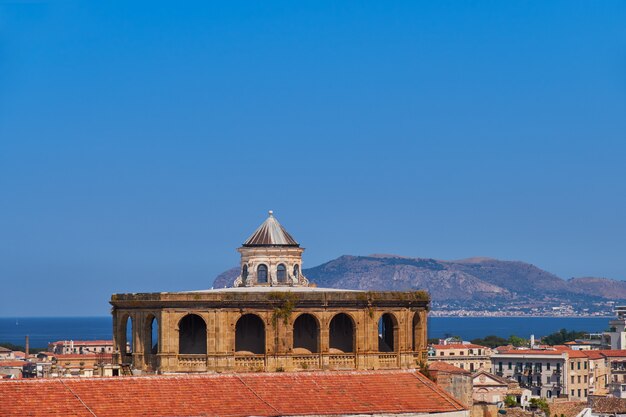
(558, 367)
(572, 379)
(472, 366)
(440, 353)
(585, 379)
(572, 393)
(579, 392)
(579, 379)
(296, 271)
(244, 273)
(499, 366)
(585, 365)
(585, 393)
(578, 364)
(510, 365)
(547, 380)
(538, 379)
(261, 274)
(548, 366)
(281, 273)
(572, 366)
(461, 366)
(461, 353)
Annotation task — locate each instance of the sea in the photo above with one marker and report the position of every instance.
(42, 330)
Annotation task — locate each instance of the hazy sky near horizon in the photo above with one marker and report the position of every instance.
(142, 142)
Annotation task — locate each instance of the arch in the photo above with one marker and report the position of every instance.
(341, 333)
(151, 332)
(125, 340)
(261, 274)
(281, 273)
(250, 335)
(192, 335)
(306, 333)
(244, 274)
(387, 333)
(296, 271)
(418, 332)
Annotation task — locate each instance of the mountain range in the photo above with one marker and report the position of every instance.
(474, 284)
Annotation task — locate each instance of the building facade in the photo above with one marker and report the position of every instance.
(81, 347)
(466, 356)
(271, 319)
(542, 371)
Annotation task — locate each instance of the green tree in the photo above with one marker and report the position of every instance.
(510, 401)
(517, 341)
(541, 404)
(563, 336)
(491, 341)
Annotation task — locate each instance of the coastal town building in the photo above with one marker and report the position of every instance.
(542, 371)
(454, 380)
(578, 375)
(271, 319)
(12, 368)
(489, 388)
(616, 336)
(617, 383)
(81, 347)
(6, 353)
(358, 393)
(466, 356)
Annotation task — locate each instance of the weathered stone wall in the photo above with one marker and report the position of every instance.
(221, 311)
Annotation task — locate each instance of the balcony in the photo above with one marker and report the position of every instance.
(250, 362)
(345, 361)
(388, 360)
(192, 362)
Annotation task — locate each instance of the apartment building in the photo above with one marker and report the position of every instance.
(466, 356)
(81, 347)
(578, 375)
(542, 371)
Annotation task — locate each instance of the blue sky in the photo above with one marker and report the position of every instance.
(142, 142)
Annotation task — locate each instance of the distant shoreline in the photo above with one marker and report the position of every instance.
(473, 316)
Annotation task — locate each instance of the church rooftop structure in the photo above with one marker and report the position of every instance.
(270, 233)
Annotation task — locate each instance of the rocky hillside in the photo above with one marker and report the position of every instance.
(473, 284)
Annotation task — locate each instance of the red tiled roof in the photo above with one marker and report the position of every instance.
(233, 395)
(576, 354)
(12, 364)
(441, 366)
(458, 346)
(529, 351)
(614, 353)
(594, 354)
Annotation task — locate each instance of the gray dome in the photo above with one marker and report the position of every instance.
(270, 233)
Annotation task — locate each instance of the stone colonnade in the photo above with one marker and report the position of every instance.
(269, 334)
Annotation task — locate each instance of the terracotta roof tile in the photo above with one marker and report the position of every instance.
(613, 353)
(576, 354)
(233, 395)
(12, 364)
(441, 366)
